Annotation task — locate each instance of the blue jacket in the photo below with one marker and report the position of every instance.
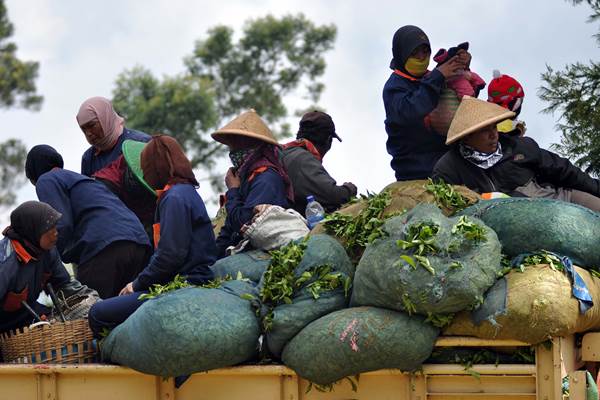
(92, 216)
(187, 243)
(266, 188)
(92, 162)
(414, 148)
(20, 280)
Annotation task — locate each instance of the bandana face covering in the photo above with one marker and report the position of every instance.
(482, 160)
(416, 67)
(238, 157)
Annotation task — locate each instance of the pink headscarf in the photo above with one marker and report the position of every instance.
(101, 109)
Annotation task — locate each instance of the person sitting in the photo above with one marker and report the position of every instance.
(257, 176)
(105, 131)
(28, 261)
(303, 161)
(409, 96)
(507, 92)
(97, 232)
(184, 240)
(485, 161)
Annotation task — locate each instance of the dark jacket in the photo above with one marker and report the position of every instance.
(265, 188)
(414, 148)
(187, 243)
(92, 216)
(309, 177)
(92, 162)
(20, 280)
(522, 160)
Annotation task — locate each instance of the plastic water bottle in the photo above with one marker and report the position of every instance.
(314, 212)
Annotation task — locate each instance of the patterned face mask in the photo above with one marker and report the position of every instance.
(482, 160)
(238, 157)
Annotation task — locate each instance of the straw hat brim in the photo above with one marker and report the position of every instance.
(132, 152)
(226, 136)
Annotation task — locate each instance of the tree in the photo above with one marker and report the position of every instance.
(274, 58)
(17, 89)
(575, 94)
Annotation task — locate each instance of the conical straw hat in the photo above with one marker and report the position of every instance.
(248, 124)
(473, 114)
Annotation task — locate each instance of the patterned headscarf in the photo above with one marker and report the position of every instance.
(482, 160)
(101, 109)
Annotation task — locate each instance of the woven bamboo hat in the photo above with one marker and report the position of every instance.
(248, 124)
(473, 114)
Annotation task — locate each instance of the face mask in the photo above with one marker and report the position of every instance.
(416, 67)
(238, 157)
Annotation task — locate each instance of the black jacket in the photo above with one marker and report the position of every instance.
(522, 160)
(309, 177)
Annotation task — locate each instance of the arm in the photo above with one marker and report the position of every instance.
(59, 276)
(50, 191)
(85, 163)
(444, 170)
(406, 105)
(173, 247)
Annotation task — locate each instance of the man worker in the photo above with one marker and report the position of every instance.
(303, 161)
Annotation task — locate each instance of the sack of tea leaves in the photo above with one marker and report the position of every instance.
(428, 264)
(355, 340)
(250, 264)
(531, 306)
(187, 330)
(525, 225)
(305, 280)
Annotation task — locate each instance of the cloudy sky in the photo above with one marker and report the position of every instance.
(83, 45)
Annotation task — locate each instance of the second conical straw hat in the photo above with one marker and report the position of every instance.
(473, 114)
(248, 124)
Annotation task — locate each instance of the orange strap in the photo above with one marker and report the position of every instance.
(22, 254)
(256, 172)
(402, 74)
(156, 233)
(160, 193)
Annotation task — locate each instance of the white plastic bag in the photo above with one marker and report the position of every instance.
(274, 226)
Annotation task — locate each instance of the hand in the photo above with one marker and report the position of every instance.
(128, 289)
(452, 67)
(352, 187)
(465, 57)
(231, 179)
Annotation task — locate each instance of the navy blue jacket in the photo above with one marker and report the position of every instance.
(265, 188)
(92, 216)
(187, 242)
(414, 148)
(92, 162)
(20, 280)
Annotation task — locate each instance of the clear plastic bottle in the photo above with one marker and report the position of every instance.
(314, 212)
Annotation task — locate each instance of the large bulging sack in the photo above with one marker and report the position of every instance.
(289, 319)
(356, 340)
(531, 306)
(250, 264)
(460, 262)
(526, 225)
(188, 330)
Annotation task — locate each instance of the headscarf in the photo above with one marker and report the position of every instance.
(405, 41)
(101, 109)
(41, 159)
(29, 222)
(267, 155)
(164, 163)
(480, 159)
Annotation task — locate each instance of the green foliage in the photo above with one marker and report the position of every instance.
(12, 160)
(469, 229)
(17, 78)
(445, 196)
(574, 94)
(157, 289)
(360, 230)
(420, 240)
(439, 320)
(273, 58)
(543, 257)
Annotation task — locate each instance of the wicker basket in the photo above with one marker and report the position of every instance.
(68, 342)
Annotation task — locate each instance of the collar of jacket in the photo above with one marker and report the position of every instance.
(407, 76)
(22, 254)
(306, 144)
(161, 193)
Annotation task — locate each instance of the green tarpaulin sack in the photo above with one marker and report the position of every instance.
(251, 264)
(186, 331)
(428, 264)
(288, 319)
(355, 340)
(531, 306)
(526, 225)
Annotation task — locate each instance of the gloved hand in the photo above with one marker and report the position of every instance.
(352, 187)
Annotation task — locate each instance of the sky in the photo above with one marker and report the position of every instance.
(82, 46)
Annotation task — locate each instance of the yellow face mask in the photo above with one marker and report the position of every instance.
(416, 67)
